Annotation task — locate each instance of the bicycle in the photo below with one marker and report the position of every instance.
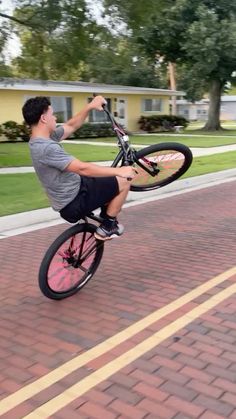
(73, 258)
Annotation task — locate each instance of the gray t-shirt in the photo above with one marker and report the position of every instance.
(50, 161)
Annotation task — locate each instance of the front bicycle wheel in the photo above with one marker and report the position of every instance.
(70, 262)
(160, 164)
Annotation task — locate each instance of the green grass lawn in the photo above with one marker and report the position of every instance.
(212, 163)
(200, 124)
(191, 141)
(202, 141)
(198, 131)
(23, 192)
(17, 154)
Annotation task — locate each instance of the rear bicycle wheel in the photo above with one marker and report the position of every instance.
(70, 262)
(160, 164)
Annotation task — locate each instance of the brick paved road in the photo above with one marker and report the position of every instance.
(170, 247)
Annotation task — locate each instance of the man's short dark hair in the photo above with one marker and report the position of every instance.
(34, 108)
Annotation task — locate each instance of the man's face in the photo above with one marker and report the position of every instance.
(50, 119)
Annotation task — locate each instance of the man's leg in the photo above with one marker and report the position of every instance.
(115, 205)
(110, 227)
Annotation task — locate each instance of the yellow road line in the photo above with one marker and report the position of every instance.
(59, 373)
(122, 361)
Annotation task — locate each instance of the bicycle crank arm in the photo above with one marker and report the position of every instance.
(153, 172)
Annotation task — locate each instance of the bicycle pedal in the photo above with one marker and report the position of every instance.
(104, 239)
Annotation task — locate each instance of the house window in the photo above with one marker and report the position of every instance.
(98, 116)
(151, 105)
(62, 107)
(201, 112)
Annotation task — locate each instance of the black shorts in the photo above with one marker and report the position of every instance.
(94, 192)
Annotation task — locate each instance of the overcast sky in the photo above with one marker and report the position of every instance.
(13, 46)
(7, 6)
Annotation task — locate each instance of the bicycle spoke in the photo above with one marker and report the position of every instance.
(157, 166)
(72, 262)
(82, 245)
(54, 273)
(82, 269)
(79, 249)
(89, 252)
(60, 283)
(59, 278)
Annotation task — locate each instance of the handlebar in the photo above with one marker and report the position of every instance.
(120, 134)
(116, 127)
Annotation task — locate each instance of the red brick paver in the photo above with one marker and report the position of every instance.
(170, 247)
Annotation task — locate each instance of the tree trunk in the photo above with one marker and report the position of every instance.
(171, 68)
(42, 46)
(213, 123)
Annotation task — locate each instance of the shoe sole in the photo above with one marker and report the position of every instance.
(113, 236)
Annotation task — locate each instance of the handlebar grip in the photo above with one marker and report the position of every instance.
(104, 106)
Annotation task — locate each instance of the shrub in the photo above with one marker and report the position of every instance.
(10, 130)
(14, 131)
(96, 130)
(160, 123)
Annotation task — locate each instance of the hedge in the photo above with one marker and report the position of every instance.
(94, 130)
(14, 131)
(161, 123)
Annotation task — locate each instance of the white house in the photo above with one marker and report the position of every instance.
(228, 108)
(193, 111)
(198, 111)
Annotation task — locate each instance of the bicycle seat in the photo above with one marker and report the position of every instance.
(90, 215)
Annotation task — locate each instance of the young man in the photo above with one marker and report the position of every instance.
(75, 188)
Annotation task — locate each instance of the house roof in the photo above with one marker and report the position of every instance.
(225, 98)
(228, 98)
(73, 86)
(189, 103)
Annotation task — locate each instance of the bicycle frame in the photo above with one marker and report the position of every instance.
(81, 257)
(127, 154)
(123, 140)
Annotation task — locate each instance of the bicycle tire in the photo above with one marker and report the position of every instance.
(62, 256)
(171, 160)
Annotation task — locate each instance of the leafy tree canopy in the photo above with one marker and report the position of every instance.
(66, 42)
(199, 35)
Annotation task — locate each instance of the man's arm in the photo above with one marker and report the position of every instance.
(91, 169)
(75, 123)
